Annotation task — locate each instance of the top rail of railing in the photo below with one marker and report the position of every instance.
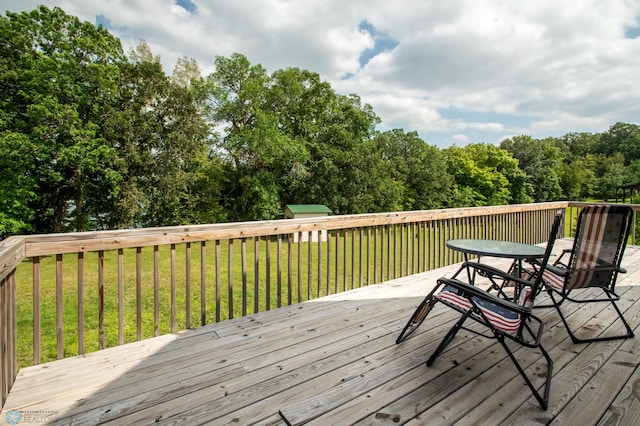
(14, 249)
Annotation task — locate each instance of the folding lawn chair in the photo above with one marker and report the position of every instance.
(594, 263)
(503, 319)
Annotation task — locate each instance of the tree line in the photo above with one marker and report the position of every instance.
(95, 138)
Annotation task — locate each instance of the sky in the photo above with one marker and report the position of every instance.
(455, 71)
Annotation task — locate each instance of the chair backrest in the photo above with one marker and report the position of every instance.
(527, 299)
(601, 237)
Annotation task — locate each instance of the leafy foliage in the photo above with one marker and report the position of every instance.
(63, 76)
(540, 160)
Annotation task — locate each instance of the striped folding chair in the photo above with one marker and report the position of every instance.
(591, 272)
(503, 319)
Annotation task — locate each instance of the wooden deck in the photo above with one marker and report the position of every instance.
(334, 361)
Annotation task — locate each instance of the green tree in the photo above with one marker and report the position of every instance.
(633, 173)
(576, 146)
(290, 138)
(252, 141)
(301, 103)
(501, 161)
(161, 135)
(623, 138)
(420, 169)
(610, 172)
(540, 160)
(475, 183)
(341, 163)
(577, 179)
(342, 166)
(60, 78)
(17, 185)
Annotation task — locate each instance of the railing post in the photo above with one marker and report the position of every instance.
(633, 228)
(8, 334)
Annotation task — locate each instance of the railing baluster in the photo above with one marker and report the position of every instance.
(218, 282)
(360, 254)
(139, 293)
(429, 252)
(156, 290)
(435, 240)
(442, 234)
(100, 299)
(243, 255)
(395, 249)
(279, 270)
(203, 283)
(36, 310)
(289, 269)
(368, 245)
(256, 274)
(300, 265)
(345, 268)
(446, 236)
(337, 263)
(230, 278)
(80, 272)
(59, 307)
(415, 239)
(375, 254)
(320, 244)
(120, 296)
(187, 289)
(387, 234)
(310, 261)
(411, 250)
(420, 246)
(404, 253)
(174, 309)
(268, 272)
(328, 262)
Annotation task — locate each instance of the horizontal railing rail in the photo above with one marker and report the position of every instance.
(93, 290)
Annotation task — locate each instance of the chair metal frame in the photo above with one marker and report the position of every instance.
(473, 302)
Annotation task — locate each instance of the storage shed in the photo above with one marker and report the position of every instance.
(298, 211)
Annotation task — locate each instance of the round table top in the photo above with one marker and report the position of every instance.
(496, 248)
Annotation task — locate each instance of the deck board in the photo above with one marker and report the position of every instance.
(334, 360)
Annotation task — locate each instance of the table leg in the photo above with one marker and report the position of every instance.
(471, 277)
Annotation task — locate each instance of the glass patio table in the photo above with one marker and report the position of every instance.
(496, 248)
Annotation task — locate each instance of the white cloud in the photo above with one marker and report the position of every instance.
(460, 139)
(462, 70)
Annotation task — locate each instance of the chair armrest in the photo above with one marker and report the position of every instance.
(558, 261)
(560, 271)
(467, 290)
(557, 269)
(600, 269)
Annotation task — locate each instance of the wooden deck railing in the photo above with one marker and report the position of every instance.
(132, 284)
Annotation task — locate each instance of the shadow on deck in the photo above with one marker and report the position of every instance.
(334, 361)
